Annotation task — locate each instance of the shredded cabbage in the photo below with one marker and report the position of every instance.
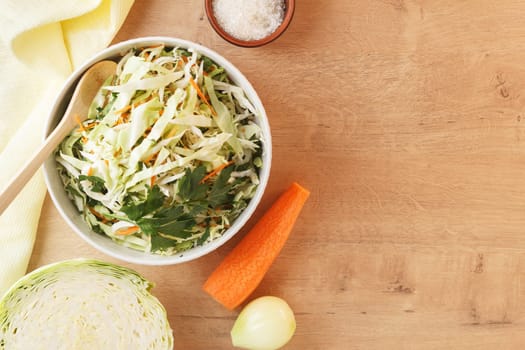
(169, 155)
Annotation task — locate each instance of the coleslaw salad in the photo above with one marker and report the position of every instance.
(169, 155)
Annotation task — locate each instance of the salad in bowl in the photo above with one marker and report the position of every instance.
(172, 158)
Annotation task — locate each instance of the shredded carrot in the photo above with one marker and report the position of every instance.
(172, 132)
(123, 118)
(184, 58)
(90, 125)
(98, 215)
(90, 171)
(106, 162)
(146, 132)
(149, 98)
(244, 267)
(80, 125)
(123, 109)
(201, 94)
(216, 171)
(152, 181)
(127, 231)
(150, 158)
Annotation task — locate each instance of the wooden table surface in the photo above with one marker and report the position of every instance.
(406, 121)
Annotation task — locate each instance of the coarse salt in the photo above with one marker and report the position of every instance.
(249, 19)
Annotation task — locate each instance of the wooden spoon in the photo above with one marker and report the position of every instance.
(78, 107)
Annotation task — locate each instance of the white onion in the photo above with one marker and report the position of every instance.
(266, 323)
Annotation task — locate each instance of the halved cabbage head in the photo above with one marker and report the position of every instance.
(83, 304)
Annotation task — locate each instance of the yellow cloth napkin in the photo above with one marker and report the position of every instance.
(41, 43)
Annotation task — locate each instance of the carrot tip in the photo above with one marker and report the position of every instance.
(300, 188)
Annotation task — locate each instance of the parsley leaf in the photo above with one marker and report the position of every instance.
(190, 186)
(208, 63)
(166, 213)
(219, 193)
(159, 243)
(154, 201)
(165, 225)
(133, 211)
(169, 221)
(204, 236)
(179, 227)
(148, 227)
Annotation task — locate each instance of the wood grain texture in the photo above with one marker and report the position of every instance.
(406, 122)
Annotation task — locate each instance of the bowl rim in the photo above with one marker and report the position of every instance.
(290, 10)
(105, 244)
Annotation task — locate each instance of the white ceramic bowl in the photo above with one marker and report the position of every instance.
(66, 207)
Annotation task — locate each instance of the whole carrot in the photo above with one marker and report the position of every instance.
(244, 267)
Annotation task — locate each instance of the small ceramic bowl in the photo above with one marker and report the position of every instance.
(288, 14)
(103, 243)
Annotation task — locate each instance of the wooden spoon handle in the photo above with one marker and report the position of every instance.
(33, 164)
(85, 91)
